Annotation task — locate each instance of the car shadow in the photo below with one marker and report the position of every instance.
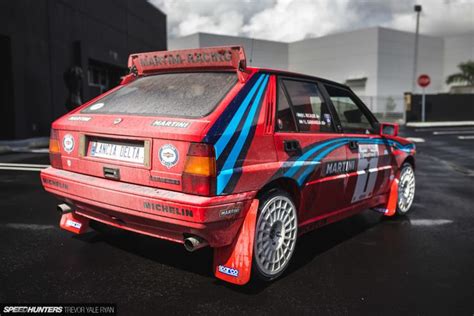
(315, 243)
(157, 250)
(308, 248)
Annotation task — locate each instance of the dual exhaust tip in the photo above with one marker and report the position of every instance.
(191, 243)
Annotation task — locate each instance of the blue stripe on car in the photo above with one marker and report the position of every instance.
(228, 167)
(302, 161)
(222, 142)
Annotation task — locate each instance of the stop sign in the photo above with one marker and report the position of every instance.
(424, 80)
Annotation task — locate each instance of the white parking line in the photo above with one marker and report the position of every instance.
(416, 139)
(430, 222)
(22, 166)
(432, 129)
(11, 164)
(452, 132)
(21, 169)
(466, 137)
(440, 124)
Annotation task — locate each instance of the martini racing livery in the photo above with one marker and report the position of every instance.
(197, 148)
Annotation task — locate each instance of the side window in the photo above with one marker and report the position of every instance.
(353, 119)
(311, 112)
(285, 122)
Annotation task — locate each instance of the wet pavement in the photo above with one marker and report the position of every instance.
(422, 264)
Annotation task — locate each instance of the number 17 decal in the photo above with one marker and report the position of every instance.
(366, 171)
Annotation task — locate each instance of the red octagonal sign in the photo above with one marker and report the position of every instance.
(424, 80)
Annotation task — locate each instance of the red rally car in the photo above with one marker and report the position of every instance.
(197, 148)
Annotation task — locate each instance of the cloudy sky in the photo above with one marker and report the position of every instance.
(292, 20)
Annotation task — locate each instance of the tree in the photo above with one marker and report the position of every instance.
(465, 76)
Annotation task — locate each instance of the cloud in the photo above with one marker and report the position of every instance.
(291, 20)
(438, 18)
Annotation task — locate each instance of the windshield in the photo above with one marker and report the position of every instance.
(178, 94)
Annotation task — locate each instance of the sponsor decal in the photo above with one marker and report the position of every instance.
(190, 58)
(327, 118)
(228, 271)
(339, 167)
(229, 212)
(80, 118)
(168, 209)
(117, 120)
(56, 183)
(73, 224)
(96, 106)
(68, 143)
(164, 123)
(308, 118)
(368, 150)
(164, 180)
(367, 175)
(168, 155)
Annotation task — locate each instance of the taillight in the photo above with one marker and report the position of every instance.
(199, 175)
(55, 150)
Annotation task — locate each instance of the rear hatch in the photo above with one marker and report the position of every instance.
(141, 132)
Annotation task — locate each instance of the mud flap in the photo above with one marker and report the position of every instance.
(233, 263)
(74, 223)
(391, 207)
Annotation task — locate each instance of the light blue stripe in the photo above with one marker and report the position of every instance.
(225, 176)
(224, 139)
(316, 160)
(302, 160)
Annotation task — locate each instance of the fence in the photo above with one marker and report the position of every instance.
(442, 107)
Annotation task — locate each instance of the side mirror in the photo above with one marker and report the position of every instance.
(388, 129)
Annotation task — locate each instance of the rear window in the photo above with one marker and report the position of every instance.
(179, 94)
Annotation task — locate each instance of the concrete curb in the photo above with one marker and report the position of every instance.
(440, 124)
(8, 146)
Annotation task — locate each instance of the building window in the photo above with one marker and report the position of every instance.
(102, 77)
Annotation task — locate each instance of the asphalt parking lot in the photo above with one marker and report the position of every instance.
(419, 265)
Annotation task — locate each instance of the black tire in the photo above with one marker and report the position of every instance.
(406, 190)
(276, 233)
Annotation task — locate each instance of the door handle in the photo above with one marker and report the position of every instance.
(353, 145)
(292, 147)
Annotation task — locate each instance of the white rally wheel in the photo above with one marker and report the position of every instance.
(275, 235)
(406, 189)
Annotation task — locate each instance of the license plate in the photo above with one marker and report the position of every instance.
(118, 151)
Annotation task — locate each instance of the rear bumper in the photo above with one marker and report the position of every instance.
(160, 213)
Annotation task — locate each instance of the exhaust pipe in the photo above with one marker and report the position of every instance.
(194, 243)
(64, 208)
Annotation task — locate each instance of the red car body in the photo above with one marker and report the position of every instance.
(202, 176)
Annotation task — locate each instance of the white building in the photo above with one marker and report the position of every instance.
(377, 63)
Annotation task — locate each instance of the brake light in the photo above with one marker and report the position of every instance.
(199, 175)
(55, 150)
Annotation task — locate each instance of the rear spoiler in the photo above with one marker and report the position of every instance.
(210, 58)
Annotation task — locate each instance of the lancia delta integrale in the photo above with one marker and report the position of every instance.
(197, 148)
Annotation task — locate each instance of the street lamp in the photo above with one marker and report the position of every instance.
(417, 9)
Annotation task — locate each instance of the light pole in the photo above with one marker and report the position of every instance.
(417, 9)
